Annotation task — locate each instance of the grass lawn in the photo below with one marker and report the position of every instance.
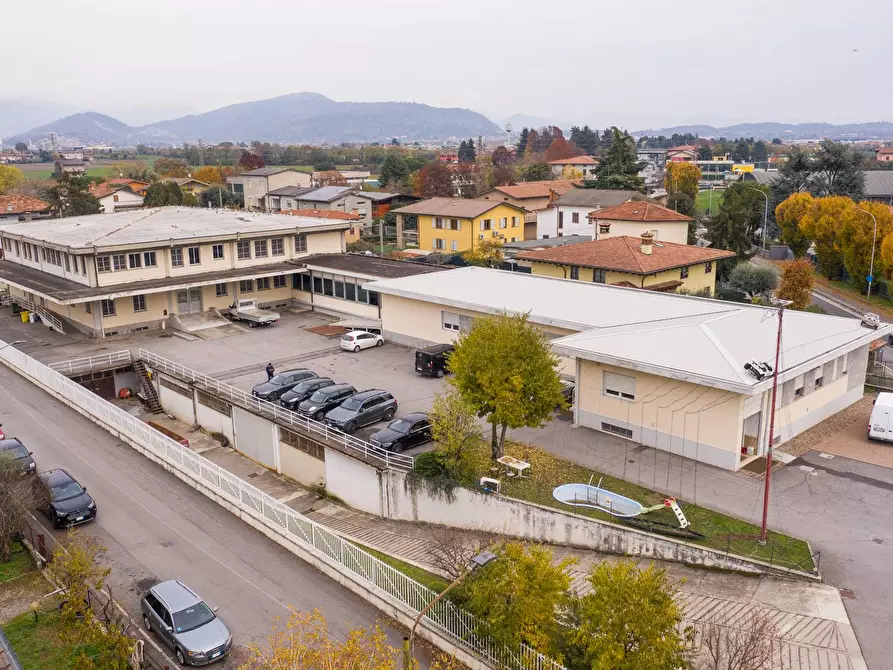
(19, 564)
(879, 304)
(723, 532)
(702, 201)
(43, 644)
(429, 579)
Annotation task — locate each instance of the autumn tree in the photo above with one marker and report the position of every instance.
(788, 215)
(501, 157)
(455, 431)
(505, 369)
(570, 172)
(682, 178)
(10, 177)
(521, 595)
(485, 253)
(619, 165)
(171, 167)
(629, 620)
(17, 498)
(797, 280)
(561, 148)
(394, 171)
(857, 235)
(70, 196)
(210, 174)
(820, 222)
(248, 160)
(435, 180)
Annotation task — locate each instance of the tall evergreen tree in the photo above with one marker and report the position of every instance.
(522, 142)
(466, 151)
(394, 170)
(71, 196)
(619, 166)
(760, 153)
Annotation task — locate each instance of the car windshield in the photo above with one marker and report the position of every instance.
(400, 426)
(192, 618)
(18, 451)
(66, 490)
(280, 379)
(352, 403)
(304, 385)
(319, 396)
(348, 338)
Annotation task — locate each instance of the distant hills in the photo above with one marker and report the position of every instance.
(290, 119)
(17, 115)
(879, 130)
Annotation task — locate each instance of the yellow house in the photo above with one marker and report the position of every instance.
(637, 262)
(458, 224)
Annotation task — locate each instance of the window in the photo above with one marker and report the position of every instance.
(454, 245)
(260, 248)
(514, 222)
(67, 266)
(708, 267)
(195, 256)
(798, 386)
(135, 260)
(619, 386)
(149, 259)
(455, 224)
(88, 308)
(843, 362)
(317, 284)
(177, 257)
(328, 287)
(119, 262)
(279, 282)
(439, 243)
(306, 281)
(217, 251)
(300, 243)
(18, 250)
(83, 265)
(350, 289)
(503, 222)
(43, 253)
(561, 219)
(487, 224)
(575, 217)
(243, 250)
(450, 321)
(263, 283)
(108, 308)
(819, 379)
(220, 290)
(683, 273)
(103, 264)
(139, 303)
(575, 271)
(617, 430)
(115, 198)
(598, 276)
(339, 286)
(438, 223)
(246, 286)
(277, 246)
(362, 294)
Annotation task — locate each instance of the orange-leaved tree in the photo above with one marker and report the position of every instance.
(682, 178)
(821, 223)
(796, 282)
(857, 234)
(788, 215)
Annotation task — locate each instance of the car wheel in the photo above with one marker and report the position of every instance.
(398, 448)
(379, 343)
(389, 414)
(440, 374)
(54, 519)
(351, 427)
(319, 416)
(251, 324)
(147, 623)
(356, 349)
(180, 658)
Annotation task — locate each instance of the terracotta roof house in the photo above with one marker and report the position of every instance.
(534, 196)
(639, 262)
(16, 207)
(631, 218)
(189, 184)
(685, 153)
(568, 214)
(883, 154)
(136, 185)
(585, 164)
(114, 198)
(352, 234)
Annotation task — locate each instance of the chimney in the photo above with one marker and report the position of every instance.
(553, 195)
(647, 238)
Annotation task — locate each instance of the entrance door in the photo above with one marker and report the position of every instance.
(189, 301)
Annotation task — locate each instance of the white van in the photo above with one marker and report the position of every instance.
(880, 425)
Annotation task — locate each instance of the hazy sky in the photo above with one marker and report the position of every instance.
(634, 63)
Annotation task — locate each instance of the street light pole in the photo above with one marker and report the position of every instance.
(765, 212)
(873, 244)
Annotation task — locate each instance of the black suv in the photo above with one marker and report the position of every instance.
(279, 384)
(19, 453)
(70, 504)
(304, 390)
(361, 410)
(432, 362)
(407, 431)
(325, 399)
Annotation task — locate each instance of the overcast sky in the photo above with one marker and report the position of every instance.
(634, 63)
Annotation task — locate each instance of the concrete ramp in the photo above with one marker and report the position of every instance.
(192, 323)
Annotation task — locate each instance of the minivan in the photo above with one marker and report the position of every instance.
(325, 399)
(880, 425)
(432, 362)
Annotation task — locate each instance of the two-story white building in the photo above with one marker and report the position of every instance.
(255, 184)
(567, 214)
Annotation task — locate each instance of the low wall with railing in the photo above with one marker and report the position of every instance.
(397, 595)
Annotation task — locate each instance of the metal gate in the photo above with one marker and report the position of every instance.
(189, 301)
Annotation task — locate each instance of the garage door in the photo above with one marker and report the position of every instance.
(189, 301)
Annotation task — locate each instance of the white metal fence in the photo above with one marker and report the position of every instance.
(46, 317)
(77, 366)
(294, 420)
(450, 621)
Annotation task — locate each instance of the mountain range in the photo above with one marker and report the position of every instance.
(290, 119)
(878, 130)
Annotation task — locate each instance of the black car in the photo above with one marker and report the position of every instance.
(279, 384)
(19, 453)
(362, 409)
(432, 361)
(70, 504)
(407, 431)
(304, 390)
(325, 399)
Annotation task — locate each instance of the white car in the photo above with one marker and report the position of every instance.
(360, 339)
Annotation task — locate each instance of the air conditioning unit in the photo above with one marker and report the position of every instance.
(759, 370)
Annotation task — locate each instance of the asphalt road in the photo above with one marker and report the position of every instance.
(155, 527)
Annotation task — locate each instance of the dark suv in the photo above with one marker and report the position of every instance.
(432, 361)
(70, 504)
(20, 455)
(361, 410)
(279, 384)
(304, 390)
(325, 399)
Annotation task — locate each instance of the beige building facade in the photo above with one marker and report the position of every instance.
(255, 184)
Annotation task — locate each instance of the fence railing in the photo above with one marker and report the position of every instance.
(316, 429)
(47, 317)
(88, 363)
(446, 618)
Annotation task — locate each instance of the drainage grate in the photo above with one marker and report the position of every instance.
(252, 475)
(847, 593)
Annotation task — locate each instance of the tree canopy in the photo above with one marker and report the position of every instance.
(163, 194)
(797, 280)
(619, 165)
(682, 178)
(219, 197)
(485, 253)
(70, 196)
(835, 169)
(394, 171)
(171, 167)
(10, 177)
(754, 281)
(466, 151)
(434, 180)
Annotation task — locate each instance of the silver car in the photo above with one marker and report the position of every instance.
(185, 623)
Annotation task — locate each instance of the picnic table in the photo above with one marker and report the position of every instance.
(514, 467)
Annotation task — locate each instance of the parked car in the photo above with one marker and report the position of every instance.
(880, 424)
(279, 384)
(19, 453)
(360, 339)
(304, 390)
(407, 431)
(185, 623)
(432, 361)
(70, 504)
(325, 399)
(567, 391)
(361, 410)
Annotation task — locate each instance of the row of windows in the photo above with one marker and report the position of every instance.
(599, 275)
(335, 286)
(252, 285)
(487, 224)
(117, 262)
(52, 256)
(110, 309)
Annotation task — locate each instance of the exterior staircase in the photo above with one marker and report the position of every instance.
(147, 389)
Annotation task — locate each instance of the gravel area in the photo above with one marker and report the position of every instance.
(810, 439)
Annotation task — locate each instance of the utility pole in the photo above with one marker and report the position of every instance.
(873, 244)
(765, 212)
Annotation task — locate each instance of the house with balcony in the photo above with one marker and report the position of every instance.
(533, 196)
(255, 184)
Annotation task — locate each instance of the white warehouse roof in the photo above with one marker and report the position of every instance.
(696, 339)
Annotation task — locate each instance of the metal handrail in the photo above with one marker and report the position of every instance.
(42, 312)
(76, 365)
(293, 419)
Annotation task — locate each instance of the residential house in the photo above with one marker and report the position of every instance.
(567, 214)
(512, 249)
(687, 153)
(335, 198)
(631, 218)
(136, 185)
(10, 157)
(255, 184)
(14, 207)
(383, 202)
(114, 198)
(883, 154)
(458, 224)
(534, 196)
(76, 167)
(878, 186)
(668, 371)
(585, 164)
(637, 262)
(189, 185)
(72, 154)
(352, 234)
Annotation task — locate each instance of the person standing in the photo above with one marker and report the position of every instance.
(270, 371)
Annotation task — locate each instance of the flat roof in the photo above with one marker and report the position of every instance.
(371, 266)
(163, 226)
(700, 340)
